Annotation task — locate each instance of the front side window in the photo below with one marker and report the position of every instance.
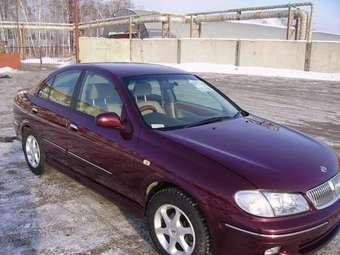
(63, 86)
(98, 95)
(178, 101)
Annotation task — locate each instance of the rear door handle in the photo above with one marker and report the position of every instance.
(34, 110)
(73, 127)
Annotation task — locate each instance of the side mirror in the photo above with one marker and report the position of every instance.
(109, 120)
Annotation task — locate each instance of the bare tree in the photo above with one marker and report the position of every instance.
(55, 11)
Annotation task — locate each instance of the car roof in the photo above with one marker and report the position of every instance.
(132, 69)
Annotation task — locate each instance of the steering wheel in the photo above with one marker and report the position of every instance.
(148, 108)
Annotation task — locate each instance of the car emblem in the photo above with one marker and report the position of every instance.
(323, 169)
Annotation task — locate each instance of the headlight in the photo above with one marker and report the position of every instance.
(271, 204)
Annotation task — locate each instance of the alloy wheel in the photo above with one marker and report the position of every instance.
(32, 151)
(174, 230)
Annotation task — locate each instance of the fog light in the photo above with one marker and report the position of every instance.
(272, 251)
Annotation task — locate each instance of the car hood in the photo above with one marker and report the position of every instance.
(268, 155)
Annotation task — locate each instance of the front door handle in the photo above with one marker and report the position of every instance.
(34, 110)
(73, 127)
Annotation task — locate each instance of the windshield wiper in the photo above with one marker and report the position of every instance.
(236, 115)
(207, 121)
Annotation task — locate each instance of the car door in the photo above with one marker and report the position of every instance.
(51, 106)
(100, 153)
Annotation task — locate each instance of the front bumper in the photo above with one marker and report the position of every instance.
(301, 242)
(233, 238)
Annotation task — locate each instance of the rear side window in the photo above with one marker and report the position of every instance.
(63, 86)
(59, 88)
(45, 88)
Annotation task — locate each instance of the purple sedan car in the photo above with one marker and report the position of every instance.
(209, 177)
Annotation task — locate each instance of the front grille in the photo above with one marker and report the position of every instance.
(325, 194)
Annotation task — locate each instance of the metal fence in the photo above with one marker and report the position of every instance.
(43, 54)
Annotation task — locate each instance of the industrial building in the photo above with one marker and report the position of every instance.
(272, 29)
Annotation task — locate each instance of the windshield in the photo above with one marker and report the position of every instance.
(178, 101)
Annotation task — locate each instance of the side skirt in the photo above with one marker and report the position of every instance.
(118, 199)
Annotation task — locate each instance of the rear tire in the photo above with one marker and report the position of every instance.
(34, 153)
(176, 224)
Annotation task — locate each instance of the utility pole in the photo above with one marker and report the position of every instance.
(19, 40)
(288, 22)
(76, 27)
(6, 31)
(69, 4)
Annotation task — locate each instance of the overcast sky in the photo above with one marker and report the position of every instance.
(327, 11)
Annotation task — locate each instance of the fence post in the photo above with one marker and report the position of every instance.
(288, 22)
(308, 56)
(76, 28)
(18, 29)
(130, 27)
(179, 51)
(163, 29)
(169, 26)
(23, 43)
(237, 52)
(200, 30)
(191, 26)
(297, 24)
(40, 55)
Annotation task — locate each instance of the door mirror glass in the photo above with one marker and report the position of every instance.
(109, 120)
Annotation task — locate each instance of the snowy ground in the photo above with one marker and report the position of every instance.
(47, 60)
(54, 214)
(210, 68)
(258, 71)
(6, 70)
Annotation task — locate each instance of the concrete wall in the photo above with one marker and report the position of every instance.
(154, 50)
(273, 54)
(94, 49)
(325, 57)
(217, 51)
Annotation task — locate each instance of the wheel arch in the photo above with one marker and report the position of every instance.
(25, 125)
(158, 185)
(154, 187)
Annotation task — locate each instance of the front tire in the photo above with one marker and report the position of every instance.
(176, 225)
(34, 153)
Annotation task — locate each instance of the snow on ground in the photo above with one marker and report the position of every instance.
(257, 71)
(216, 68)
(46, 60)
(7, 69)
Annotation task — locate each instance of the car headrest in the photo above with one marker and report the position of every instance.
(91, 91)
(99, 90)
(103, 90)
(142, 89)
